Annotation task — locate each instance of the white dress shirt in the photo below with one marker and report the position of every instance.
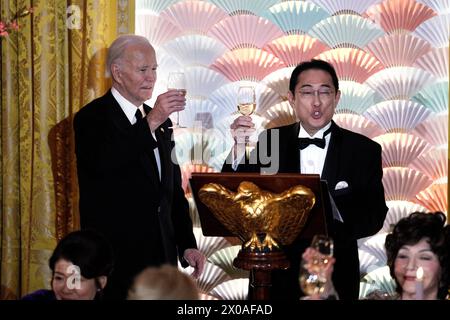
(130, 111)
(312, 158)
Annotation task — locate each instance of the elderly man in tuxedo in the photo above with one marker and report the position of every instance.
(349, 162)
(130, 190)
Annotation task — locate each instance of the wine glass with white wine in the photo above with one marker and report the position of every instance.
(177, 81)
(312, 271)
(246, 101)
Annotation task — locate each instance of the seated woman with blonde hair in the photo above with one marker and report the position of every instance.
(163, 283)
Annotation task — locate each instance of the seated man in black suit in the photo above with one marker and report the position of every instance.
(130, 189)
(349, 162)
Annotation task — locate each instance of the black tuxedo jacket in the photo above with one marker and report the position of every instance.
(352, 158)
(146, 220)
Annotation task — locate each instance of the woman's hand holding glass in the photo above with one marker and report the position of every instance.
(316, 269)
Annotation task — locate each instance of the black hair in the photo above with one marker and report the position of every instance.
(88, 250)
(410, 230)
(313, 64)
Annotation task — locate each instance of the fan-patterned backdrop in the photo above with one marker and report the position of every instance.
(392, 60)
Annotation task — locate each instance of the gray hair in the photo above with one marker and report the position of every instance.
(119, 45)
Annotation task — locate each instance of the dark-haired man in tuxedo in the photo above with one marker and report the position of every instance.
(349, 162)
(130, 190)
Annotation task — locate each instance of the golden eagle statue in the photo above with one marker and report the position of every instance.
(251, 212)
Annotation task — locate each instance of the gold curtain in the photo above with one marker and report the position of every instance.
(50, 68)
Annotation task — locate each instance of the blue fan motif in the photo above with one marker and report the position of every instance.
(296, 17)
(356, 98)
(235, 7)
(434, 97)
(346, 31)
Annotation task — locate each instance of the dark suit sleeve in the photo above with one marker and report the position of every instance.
(182, 221)
(99, 148)
(364, 211)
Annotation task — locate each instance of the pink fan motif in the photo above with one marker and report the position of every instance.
(352, 64)
(435, 62)
(434, 198)
(247, 64)
(399, 82)
(278, 81)
(434, 164)
(441, 6)
(336, 7)
(279, 115)
(399, 16)
(186, 173)
(436, 30)
(358, 124)
(400, 149)
(397, 211)
(193, 16)
(403, 183)
(397, 115)
(292, 49)
(156, 29)
(245, 31)
(434, 130)
(195, 49)
(395, 50)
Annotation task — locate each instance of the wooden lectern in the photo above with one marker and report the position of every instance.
(261, 264)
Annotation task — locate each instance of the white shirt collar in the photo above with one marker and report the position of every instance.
(128, 108)
(319, 134)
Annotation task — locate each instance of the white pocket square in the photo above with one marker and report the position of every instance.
(341, 185)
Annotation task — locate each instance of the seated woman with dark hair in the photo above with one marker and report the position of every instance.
(418, 240)
(80, 264)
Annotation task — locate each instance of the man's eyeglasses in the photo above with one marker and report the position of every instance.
(323, 93)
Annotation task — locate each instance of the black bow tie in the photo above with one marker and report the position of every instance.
(320, 142)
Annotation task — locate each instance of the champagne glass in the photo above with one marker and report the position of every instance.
(312, 271)
(177, 81)
(324, 246)
(246, 101)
